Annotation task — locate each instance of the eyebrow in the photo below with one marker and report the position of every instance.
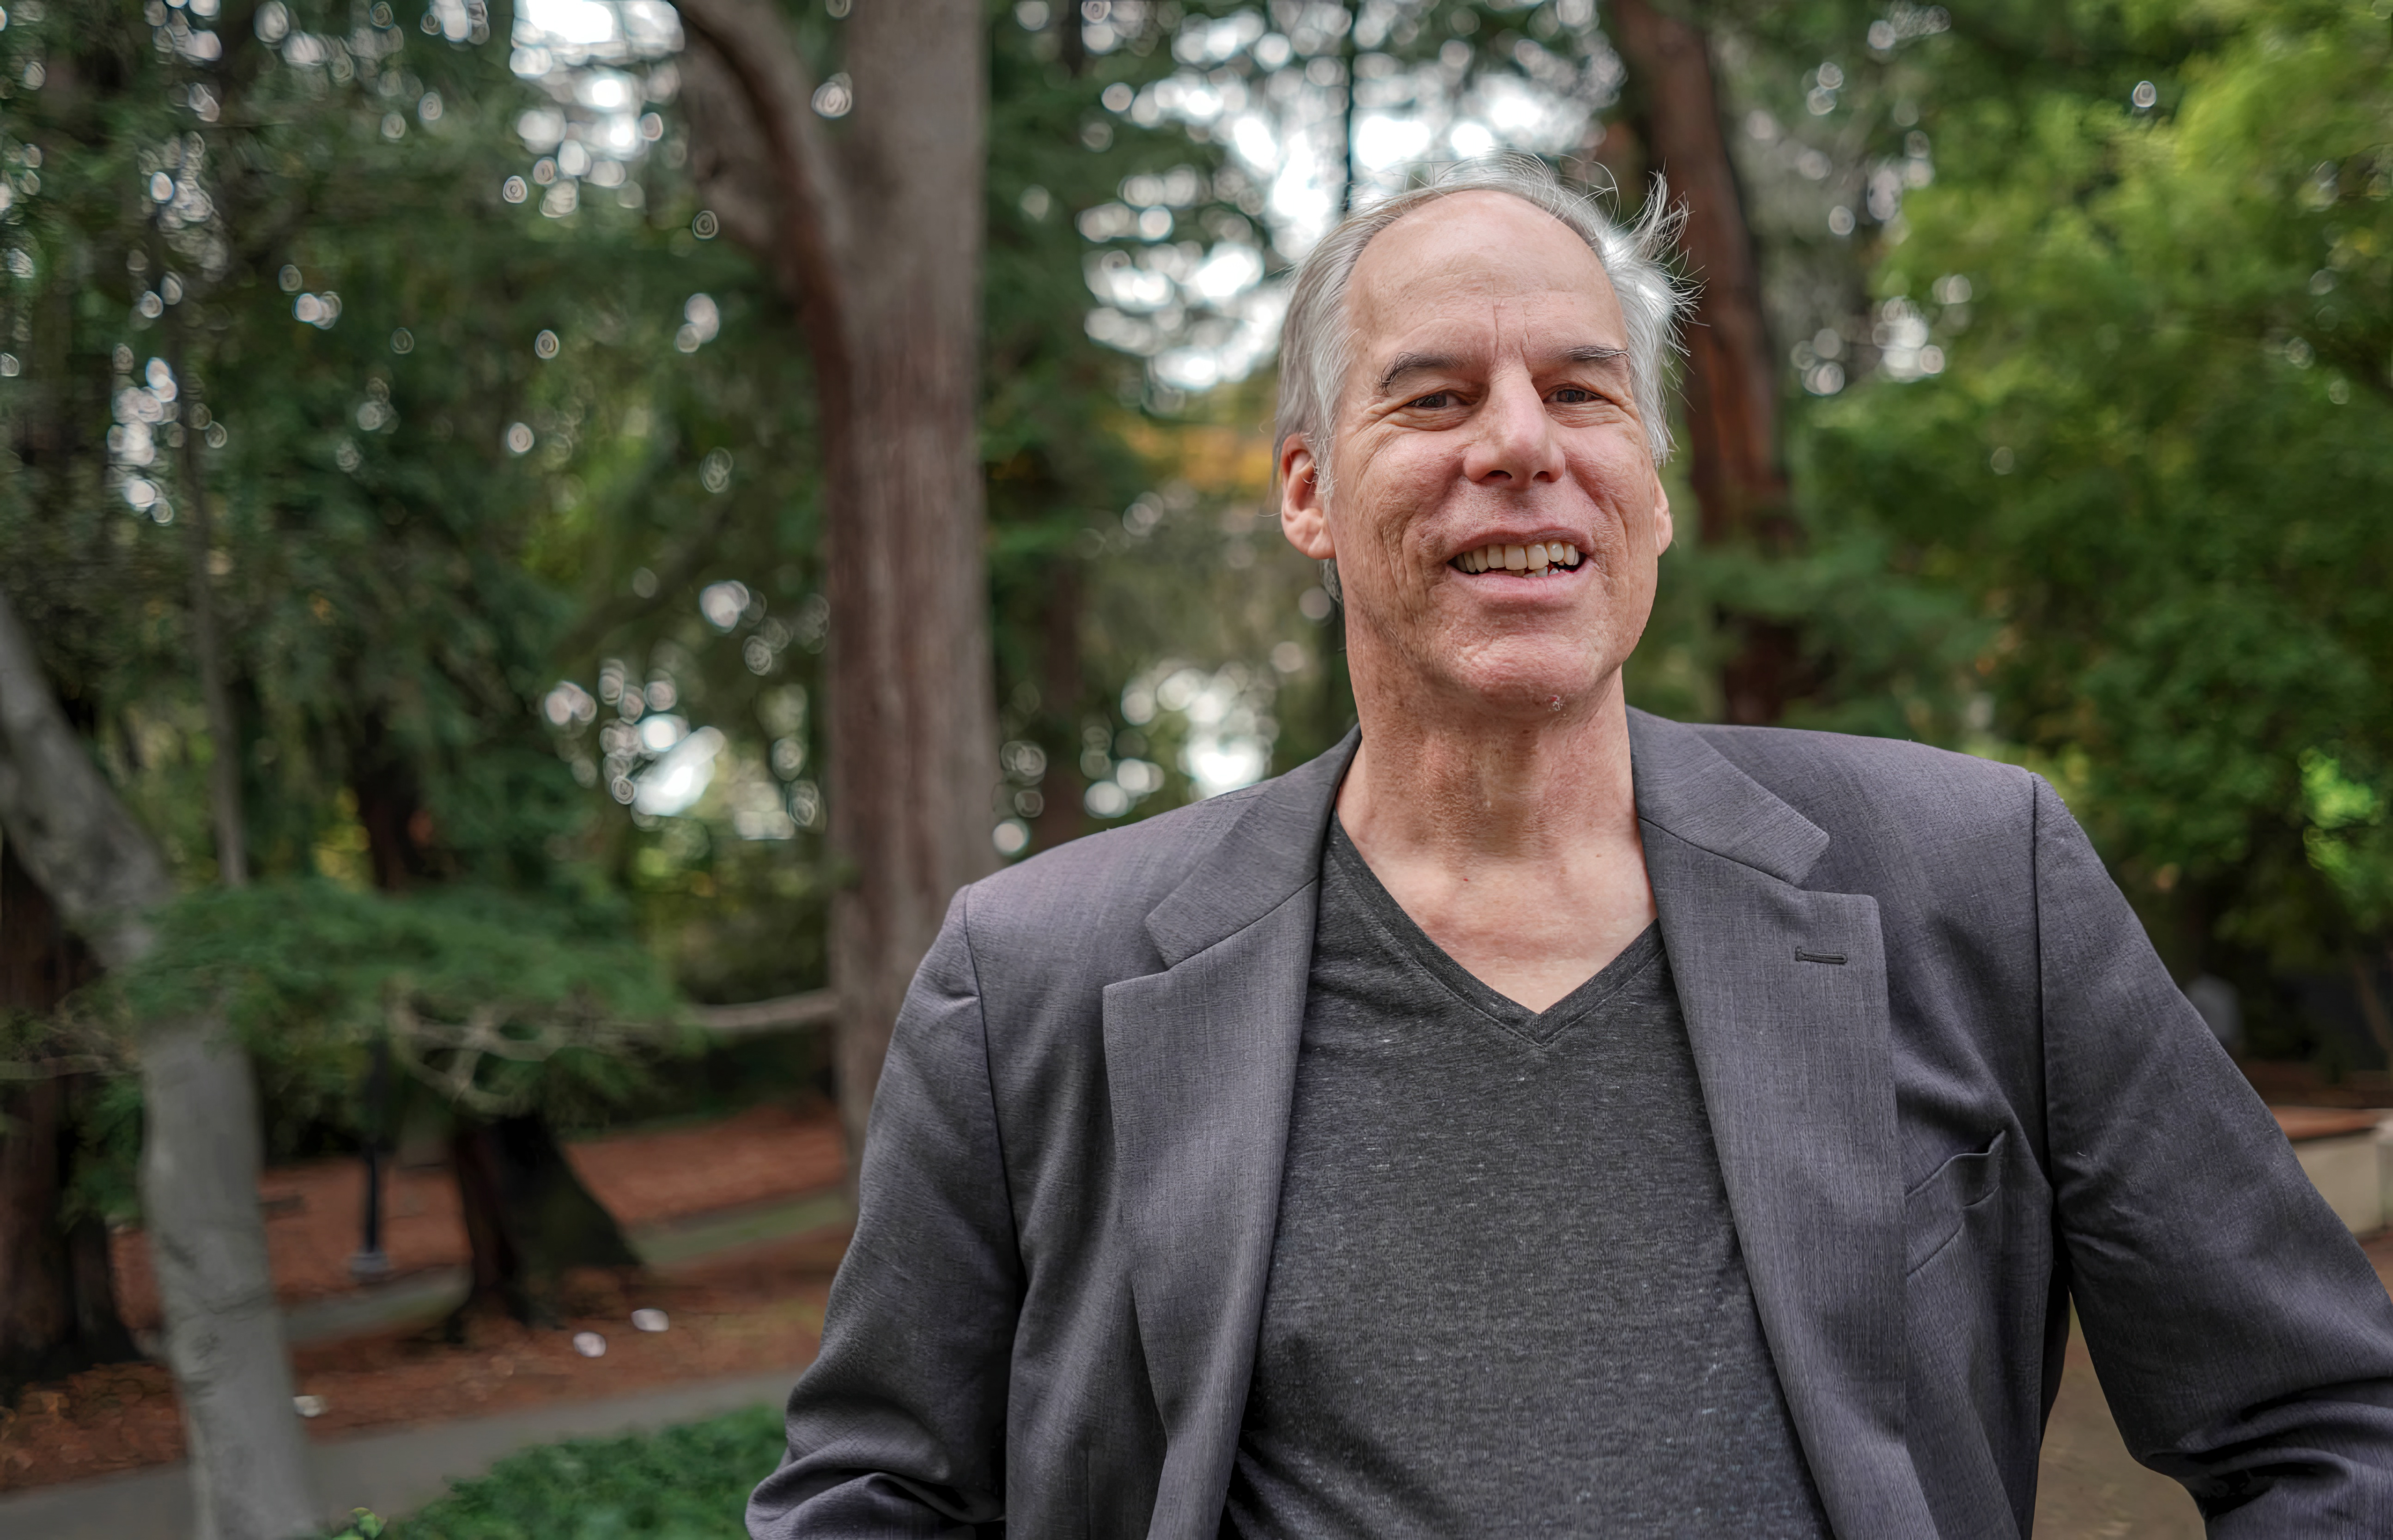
(1415, 363)
(1420, 363)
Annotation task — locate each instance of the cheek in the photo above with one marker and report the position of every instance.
(1382, 504)
(1621, 484)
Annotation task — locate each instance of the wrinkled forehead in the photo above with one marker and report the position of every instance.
(1471, 261)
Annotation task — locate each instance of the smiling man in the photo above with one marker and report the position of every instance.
(1537, 1119)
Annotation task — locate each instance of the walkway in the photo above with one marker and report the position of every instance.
(390, 1473)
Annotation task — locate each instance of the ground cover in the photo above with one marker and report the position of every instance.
(682, 1483)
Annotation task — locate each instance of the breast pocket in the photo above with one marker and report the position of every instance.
(1934, 1211)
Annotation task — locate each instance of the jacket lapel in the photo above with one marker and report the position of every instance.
(1200, 1065)
(1786, 1003)
(1793, 1051)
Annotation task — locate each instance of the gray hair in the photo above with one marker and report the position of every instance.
(1317, 344)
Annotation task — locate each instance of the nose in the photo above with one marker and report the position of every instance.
(1515, 445)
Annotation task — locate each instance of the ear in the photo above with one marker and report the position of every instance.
(1303, 516)
(1663, 527)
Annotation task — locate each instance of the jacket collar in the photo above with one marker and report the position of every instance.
(1689, 790)
(1684, 786)
(1274, 845)
(1272, 851)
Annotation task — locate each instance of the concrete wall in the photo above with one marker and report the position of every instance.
(2353, 1170)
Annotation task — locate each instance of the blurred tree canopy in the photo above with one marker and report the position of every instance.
(2113, 500)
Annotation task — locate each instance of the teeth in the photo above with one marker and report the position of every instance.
(1534, 558)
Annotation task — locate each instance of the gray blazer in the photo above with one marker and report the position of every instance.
(1951, 1087)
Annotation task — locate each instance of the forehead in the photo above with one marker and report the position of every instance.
(1480, 263)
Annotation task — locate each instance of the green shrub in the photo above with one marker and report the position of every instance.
(683, 1483)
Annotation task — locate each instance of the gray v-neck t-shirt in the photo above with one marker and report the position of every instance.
(1506, 1296)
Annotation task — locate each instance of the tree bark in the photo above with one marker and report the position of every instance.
(201, 1155)
(878, 243)
(529, 1219)
(1733, 439)
(201, 1148)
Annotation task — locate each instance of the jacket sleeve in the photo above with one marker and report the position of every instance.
(898, 1428)
(2244, 1341)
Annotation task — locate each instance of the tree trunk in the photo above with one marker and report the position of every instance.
(911, 718)
(224, 739)
(1061, 816)
(529, 1219)
(877, 237)
(58, 1296)
(1732, 441)
(57, 1300)
(201, 1147)
(200, 1153)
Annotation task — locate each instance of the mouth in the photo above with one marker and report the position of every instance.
(1536, 559)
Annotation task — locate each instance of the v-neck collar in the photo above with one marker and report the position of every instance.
(1402, 934)
(1794, 1057)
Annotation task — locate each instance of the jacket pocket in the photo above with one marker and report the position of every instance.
(1934, 1211)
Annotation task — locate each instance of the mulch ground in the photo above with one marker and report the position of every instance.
(2302, 1086)
(733, 1313)
(314, 1210)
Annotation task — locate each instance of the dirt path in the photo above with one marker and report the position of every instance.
(726, 1313)
(313, 1218)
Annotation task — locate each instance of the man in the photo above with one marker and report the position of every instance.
(1539, 1119)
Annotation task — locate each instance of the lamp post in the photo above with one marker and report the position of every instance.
(372, 1265)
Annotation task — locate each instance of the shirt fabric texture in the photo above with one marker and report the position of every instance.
(1506, 1294)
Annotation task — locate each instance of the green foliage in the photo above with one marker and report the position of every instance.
(2348, 837)
(2134, 532)
(683, 1483)
(496, 460)
(499, 1001)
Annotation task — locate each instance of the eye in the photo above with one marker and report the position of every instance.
(1433, 401)
(1574, 396)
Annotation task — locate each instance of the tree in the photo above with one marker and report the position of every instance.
(380, 567)
(1735, 459)
(57, 1304)
(201, 1148)
(2126, 448)
(876, 231)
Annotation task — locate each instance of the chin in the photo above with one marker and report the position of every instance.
(1527, 677)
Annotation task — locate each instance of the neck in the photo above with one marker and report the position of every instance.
(1472, 787)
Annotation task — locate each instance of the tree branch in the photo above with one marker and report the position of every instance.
(672, 571)
(73, 835)
(728, 164)
(753, 42)
(816, 1008)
